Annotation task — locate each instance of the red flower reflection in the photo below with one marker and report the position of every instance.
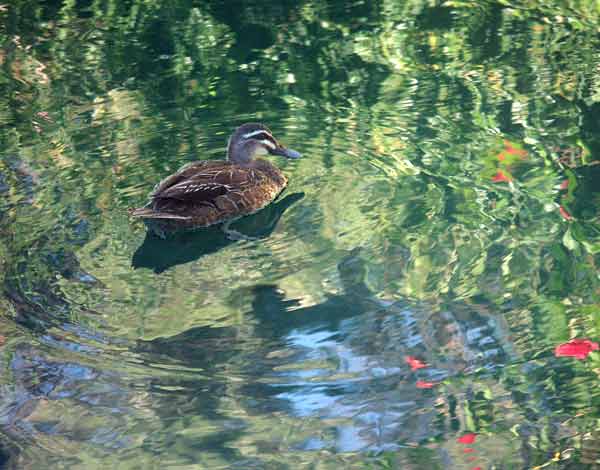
(415, 363)
(564, 213)
(44, 115)
(468, 450)
(508, 148)
(577, 348)
(501, 177)
(468, 438)
(423, 384)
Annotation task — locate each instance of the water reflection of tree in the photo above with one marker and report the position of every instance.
(430, 95)
(348, 354)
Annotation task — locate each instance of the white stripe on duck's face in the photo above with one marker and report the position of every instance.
(260, 135)
(268, 143)
(253, 140)
(263, 141)
(257, 132)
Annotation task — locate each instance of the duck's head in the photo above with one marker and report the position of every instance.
(252, 140)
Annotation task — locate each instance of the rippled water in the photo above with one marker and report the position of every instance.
(404, 302)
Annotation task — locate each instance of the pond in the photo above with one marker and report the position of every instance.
(424, 294)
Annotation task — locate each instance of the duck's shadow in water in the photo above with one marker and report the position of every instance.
(161, 254)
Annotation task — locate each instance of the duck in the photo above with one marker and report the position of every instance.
(211, 192)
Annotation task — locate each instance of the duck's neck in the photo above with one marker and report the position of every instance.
(243, 153)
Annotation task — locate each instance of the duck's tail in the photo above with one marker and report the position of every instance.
(148, 213)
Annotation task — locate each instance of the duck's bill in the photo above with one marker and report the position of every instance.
(284, 152)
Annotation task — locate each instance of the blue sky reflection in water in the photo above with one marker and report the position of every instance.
(403, 302)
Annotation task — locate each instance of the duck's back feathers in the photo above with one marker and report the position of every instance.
(209, 192)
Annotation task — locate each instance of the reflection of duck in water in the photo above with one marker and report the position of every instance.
(210, 192)
(159, 255)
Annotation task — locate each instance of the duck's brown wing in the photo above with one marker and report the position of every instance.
(184, 173)
(204, 182)
(207, 193)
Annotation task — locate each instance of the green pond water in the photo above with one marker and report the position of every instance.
(410, 300)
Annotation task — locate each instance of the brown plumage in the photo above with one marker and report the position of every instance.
(209, 192)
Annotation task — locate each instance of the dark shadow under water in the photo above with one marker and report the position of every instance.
(210, 348)
(161, 254)
(207, 347)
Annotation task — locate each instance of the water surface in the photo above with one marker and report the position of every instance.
(402, 302)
